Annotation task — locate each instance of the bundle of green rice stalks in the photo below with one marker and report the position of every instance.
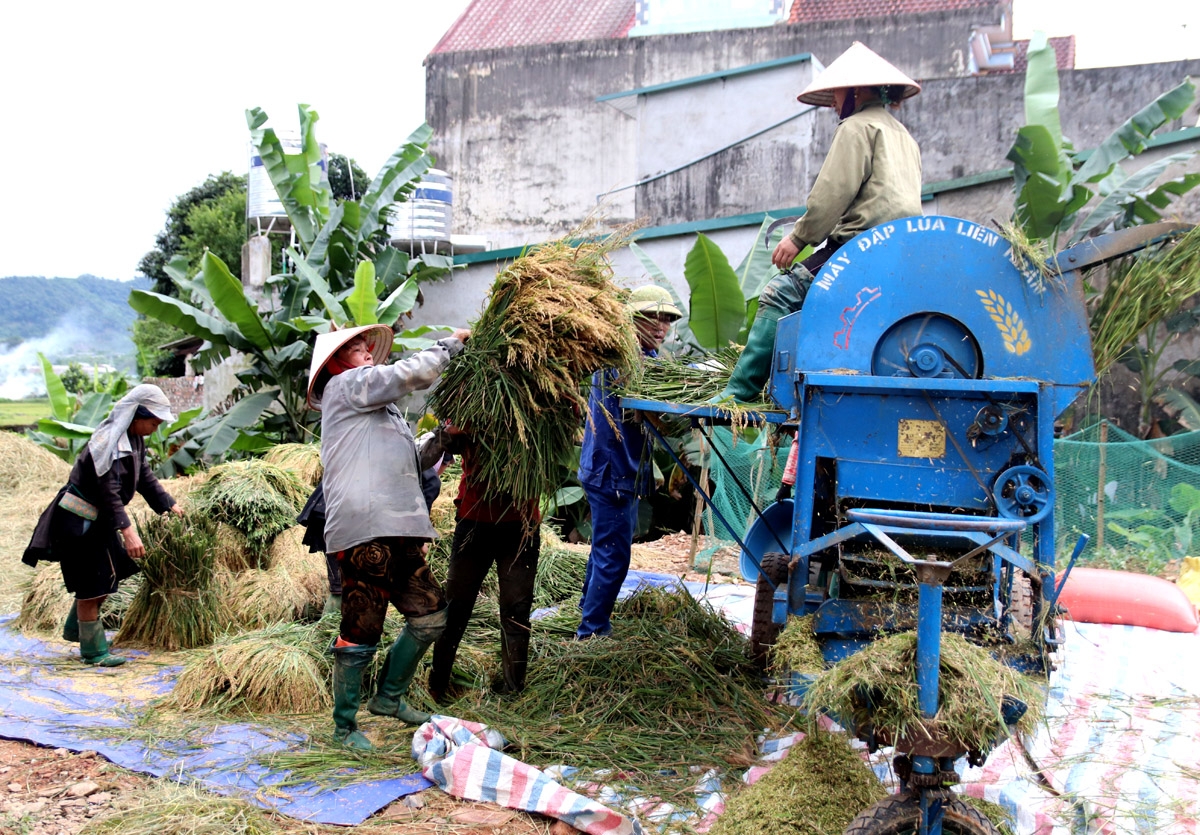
(1141, 292)
(25, 466)
(559, 573)
(178, 605)
(46, 602)
(256, 498)
(818, 788)
(673, 687)
(166, 808)
(796, 649)
(554, 317)
(302, 459)
(282, 669)
(877, 686)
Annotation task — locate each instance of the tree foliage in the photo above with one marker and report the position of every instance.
(346, 180)
(170, 240)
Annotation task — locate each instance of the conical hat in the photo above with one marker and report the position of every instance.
(379, 340)
(858, 66)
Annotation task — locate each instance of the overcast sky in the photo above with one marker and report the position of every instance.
(111, 110)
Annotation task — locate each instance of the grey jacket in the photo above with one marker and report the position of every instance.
(372, 475)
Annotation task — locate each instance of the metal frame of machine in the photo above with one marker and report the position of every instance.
(923, 378)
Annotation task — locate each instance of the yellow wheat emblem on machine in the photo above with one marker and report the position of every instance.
(1012, 329)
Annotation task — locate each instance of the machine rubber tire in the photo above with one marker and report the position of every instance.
(763, 631)
(900, 814)
(1021, 606)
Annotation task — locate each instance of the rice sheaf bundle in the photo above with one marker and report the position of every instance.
(877, 686)
(1147, 289)
(178, 605)
(553, 319)
(258, 499)
(302, 459)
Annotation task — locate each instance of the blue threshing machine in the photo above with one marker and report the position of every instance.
(922, 379)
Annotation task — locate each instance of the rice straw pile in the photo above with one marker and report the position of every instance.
(46, 601)
(554, 317)
(258, 499)
(1147, 289)
(302, 459)
(178, 605)
(293, 588)
(282, 669)
(796, 649)
(877, 686)
(672, 688)
(25, 466)
(817, 789)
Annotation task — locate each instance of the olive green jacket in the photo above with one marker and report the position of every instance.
(871, 175)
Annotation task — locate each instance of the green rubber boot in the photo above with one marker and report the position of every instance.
(70, 631)
(348, 664)
(754, 365)
(333, 605)
(401, 665)
(93, 645)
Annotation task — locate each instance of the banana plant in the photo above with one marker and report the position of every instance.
(343, 273)
(1055, 184)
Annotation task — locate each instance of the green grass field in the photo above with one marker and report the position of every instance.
(21, 413)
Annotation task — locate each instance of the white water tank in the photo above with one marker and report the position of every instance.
(427, 216)
(261, 199)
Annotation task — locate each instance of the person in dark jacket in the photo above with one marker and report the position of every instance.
(86, 529)
(493, 530)
(615, 469)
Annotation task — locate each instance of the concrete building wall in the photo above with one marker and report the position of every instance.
(530, 148)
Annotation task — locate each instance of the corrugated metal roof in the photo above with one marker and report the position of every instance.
(493, 24)
(815, 11)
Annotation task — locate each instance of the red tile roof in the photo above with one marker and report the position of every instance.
(814, 11)
(492, 24)
(1064, 53)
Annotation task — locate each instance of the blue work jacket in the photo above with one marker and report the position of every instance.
(611, 460)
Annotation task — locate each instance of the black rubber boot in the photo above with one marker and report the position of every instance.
(348, 664)
(401, 665)
(93, 645)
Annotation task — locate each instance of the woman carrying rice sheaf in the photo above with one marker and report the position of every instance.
(376, 520)
(86, 529)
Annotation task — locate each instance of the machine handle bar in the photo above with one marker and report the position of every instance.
(934, 521)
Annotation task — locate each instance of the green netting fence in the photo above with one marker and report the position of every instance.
(1139, 501)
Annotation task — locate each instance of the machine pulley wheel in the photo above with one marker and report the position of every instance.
(763, 630)
(927, 345)
(1023, 492)
(900, 814)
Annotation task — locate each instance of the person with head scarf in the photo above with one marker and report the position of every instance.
(871, 175)
(615, 469)
(86, 529)
(376, 519)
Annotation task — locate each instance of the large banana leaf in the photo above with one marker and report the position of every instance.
(245, 412)
(297, 177)
(333, 307)
(1130, 138)
(1121, 190)
(399, 302)
(95, 408)
(63, 429)
(187, 318)
(391, 268)
(1046, 200)
(756, 268)
(1041, 87)
(60, 401)
(229, 297)
(362, 302)
(398, 175)
(718, 309)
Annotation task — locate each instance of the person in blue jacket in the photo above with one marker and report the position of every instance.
(615, 469)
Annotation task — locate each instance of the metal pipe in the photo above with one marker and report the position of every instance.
(929, 646)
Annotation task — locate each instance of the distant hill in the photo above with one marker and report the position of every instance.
(83, 316)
